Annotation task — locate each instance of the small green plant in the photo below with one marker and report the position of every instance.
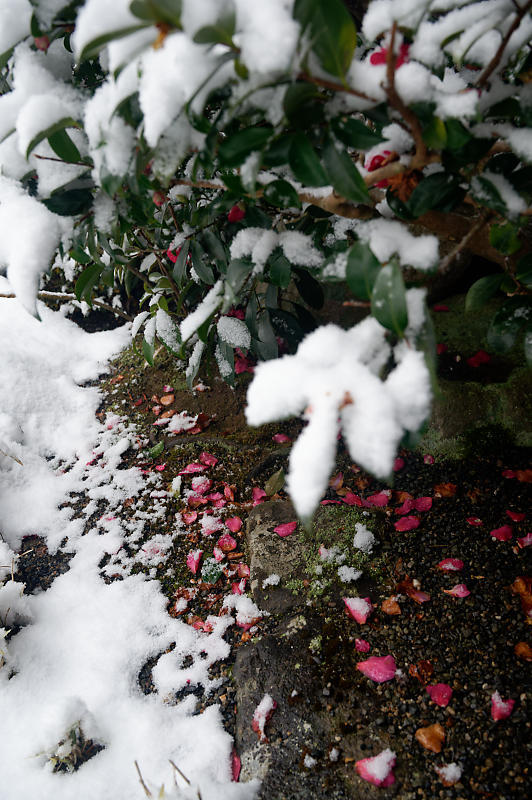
(211, 571)
(72, 751)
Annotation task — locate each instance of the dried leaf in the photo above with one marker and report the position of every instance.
(391, 606)
(423, 671)
(167, 399)
(431, 738)
(523, 650)
(275, 483)
(445, 490)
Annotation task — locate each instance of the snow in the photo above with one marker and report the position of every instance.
(514, 203)
(363, 539)
(77, 658)
(14, 23)
(208, 306)
(234, 332)
(348, 574)
(271, 580)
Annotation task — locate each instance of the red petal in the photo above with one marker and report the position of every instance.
(440, 307)
(500, 709)
(407, 506)
(362, 646)
(351, 499)
(440, 694)
(208, 459)
(475, 521)
(516, 516)
(234, 524)
(460, 590)
(359, 608)
(243, 571)
(502, 534)
(227, 543)
(193, 560)
(286, 529)
(441, 348)
(281, 438)
(380, 499)
(235, 766)
(378, 769)
(428, 459)
(451, 564)
(376, 58)
(236, 214)
(189, 517)
(218, 554)
(508, 473)
(191, 469)
(259, 495)
(525, 541)
(423, 503)
(406, 523)
(378, 668)
(398, 464)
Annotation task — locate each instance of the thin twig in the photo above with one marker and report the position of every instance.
(498, 55)
(449, 258)
(62, 296)
(62, 161)
(336, 87)
(420, 157)
(141, 779)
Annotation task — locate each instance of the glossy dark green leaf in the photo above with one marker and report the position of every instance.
(235, 149)
(508, 322)
(280, 270)
(237, 274)
(361, 270)
(148, 351)
(302, 105)
(251, 315)
(481, 291)
(266, 345)
(168, 11)
(69, 203)
(179, 270)
(470, 153)
(60, 125)
(486, 194)
(505, 109)
(388, 299)
(505, 239)
(343, 174)
(309, 288)
(524, 271)
(93, 47)
(440, 190)
(221, 32)
(305, 163)
(457, 134)
(86, 282)
(399, 208)
(80, 256)
(287, 327)
(214, 247)
(354, 133)
(276, 154)
(503, 164)
(202, 270)
(64, 147)
(435, 134)
(281, 194)
(331, 30)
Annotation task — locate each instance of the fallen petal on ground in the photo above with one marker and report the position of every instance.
(440, 693)
(286, 529)
(359, 608)
(460, 590)
(378, 668)
(500, 709)
(378, 770)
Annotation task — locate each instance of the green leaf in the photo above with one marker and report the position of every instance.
(214, 247)
(440, 190)
(361, 270)
(332, 32)
(281, 194)
(221, 32)
(280, 270)
(275, 483)
(80, 256)
(237, 274)
(266, 346)
(287, 327)
(435, 134)
(524, 271)
(309, 288)
(354, 133)
(399, 208)
(234, 150)
(507, 323)
(202, 270)
(156, 451)
(457, 134)
(486, 193)
(481, 291)
(158, 11)
(302, 105)
(504, 238)
(148, 350)
(277, 151)
(93, 47)
(86, 282)
(388, 299)
(305, 163)
(64, 147)
(69, 203)
(180, 267)
(343, 174)
(60, 125)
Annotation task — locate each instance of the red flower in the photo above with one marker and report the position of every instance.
(159, 198)
(236, 214)
(380, 56)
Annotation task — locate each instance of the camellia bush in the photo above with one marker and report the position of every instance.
(221, 161)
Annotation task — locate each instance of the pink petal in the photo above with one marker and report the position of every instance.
(286, 529)
(380, 499)
(193, 560)
(219, 503)
(377, 770)
(440, 307)
(359, 608)
(213, 496)
(235, 766)
(201, 485)
(419, 596)
(243, 570)
(160, 467)
(258, 495)
(190, 469)
(330, 502)
(428, 459)
(208, 459)
(398, 464)
(189, 517)
(168, 389)
(351, 499)
(460, 590)
(406, 507)
(451, 564)
(281, 438)
(440, 694)
(525, 541)
(441, 348)
(218, 554)
(196, 500)
(227, 543)
(240, 587)
(406, 523)
(516, 516)
(378, 668)
(502, 534)
(362, 646)
(475, 521)
(423, 503)
(234, 524)
(508, 473)
(500, 709)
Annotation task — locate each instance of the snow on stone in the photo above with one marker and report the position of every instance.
(363, 539)
(234, 331)
(271, 580)
(208, 306)
(182, 421)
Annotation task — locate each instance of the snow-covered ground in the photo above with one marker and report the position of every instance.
(76, 659)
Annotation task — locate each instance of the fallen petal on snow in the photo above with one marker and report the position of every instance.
(359, 608)
(451, 564)
(285, 529)
(460, 590)
(440, 693)
(431, 738)
(502, 534)
(406, 524)
(378, 668)
(500, 709)
(377, 769)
